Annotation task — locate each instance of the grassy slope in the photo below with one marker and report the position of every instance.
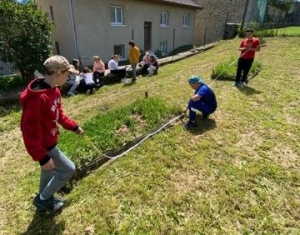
(238, 173)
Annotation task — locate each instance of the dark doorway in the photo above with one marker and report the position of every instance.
(147, 35)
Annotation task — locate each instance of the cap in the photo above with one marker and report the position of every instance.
(195, 79)
(59, 63)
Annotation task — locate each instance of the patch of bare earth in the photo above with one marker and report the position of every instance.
(186, 181)
(285, 156)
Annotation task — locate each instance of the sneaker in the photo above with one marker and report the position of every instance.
(70, 93)
(190, 124)
(123, 80)
(241, 84)
(51, 205)
(88, 91)
(93, 90)
(235, 84)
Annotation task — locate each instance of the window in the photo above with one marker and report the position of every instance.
(116, 15)
(163, 47)
(164, 18)
(119, 50)
(186, 20)
(51, 14)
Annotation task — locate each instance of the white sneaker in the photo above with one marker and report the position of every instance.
(123, 80)
(88, 92)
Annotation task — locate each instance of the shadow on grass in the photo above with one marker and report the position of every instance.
(45, 223)
(9, 107)
(203, 125)
(247, 90)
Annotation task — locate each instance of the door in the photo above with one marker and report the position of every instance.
(147, 35)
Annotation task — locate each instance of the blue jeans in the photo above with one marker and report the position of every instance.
(201, 106)
(53, 180)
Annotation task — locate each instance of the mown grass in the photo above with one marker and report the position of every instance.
(237, 173)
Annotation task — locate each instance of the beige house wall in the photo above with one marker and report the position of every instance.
(96, 36)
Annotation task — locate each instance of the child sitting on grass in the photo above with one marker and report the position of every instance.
(90, 85)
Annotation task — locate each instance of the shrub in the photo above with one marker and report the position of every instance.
(227, 70)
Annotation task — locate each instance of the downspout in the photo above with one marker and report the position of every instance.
(245, 13)
(74, 30)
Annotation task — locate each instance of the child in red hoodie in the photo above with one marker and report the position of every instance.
(42, 112)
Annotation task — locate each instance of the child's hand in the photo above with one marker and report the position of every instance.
(79, 131)
(49, 165)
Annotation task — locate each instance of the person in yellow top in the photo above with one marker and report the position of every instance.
(134, 58)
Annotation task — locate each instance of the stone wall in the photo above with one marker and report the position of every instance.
(211, 21)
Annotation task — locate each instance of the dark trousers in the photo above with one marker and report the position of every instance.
(97, 77)
(201, 106)
(243, 68)
(122, 72)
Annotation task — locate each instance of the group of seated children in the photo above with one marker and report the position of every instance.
(149, 64)
(91, 80)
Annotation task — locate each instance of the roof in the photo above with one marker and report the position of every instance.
(186, 3)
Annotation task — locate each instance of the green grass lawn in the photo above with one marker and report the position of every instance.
(237, 173)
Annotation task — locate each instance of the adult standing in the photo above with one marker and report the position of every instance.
(134, 57)
(248, 47)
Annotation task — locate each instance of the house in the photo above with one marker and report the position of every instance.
(82, 29)
(211, 21)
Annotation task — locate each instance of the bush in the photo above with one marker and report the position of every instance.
(227, 70)
(11, 81)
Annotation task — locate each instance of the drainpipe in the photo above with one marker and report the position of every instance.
(74, 30)
(244, 16)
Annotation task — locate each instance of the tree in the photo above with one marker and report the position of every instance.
(284, 5)
(25, 36)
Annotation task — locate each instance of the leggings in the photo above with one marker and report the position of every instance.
(53, 180)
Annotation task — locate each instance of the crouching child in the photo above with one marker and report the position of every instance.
(204, 100)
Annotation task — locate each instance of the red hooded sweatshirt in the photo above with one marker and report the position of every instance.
(42, 111)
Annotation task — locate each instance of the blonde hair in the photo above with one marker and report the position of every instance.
(96, 57)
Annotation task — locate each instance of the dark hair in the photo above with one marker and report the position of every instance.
(131, 43)
(86, 70)
(249, 30)
(75, 62)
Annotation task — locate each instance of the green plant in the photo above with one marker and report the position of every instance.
(25, 36)
(227, 70)
(111, 130)
(11, 81)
